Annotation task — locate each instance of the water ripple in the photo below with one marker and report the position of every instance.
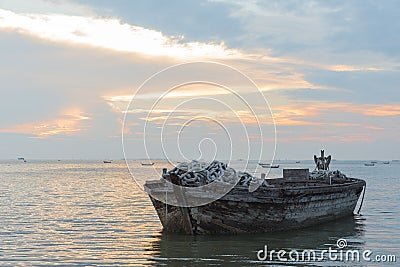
(86, 213)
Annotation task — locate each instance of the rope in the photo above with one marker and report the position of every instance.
(362, 199)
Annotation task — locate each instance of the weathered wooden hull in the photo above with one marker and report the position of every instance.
(264, 210)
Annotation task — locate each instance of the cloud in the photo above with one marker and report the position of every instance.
(66, 7)
(331, 32)
(342, 138)
(283, 21)
(63, 55)
(312, 109)
(341, 68)
(358, 117)
(71, 122)
(387, 110)
(111, 34)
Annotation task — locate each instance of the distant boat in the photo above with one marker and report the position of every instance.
(297, 161)
(374, 162)
(270, 166)
(369, 164)
(395, 160)
(106, 161)
(148, 164)
(264, 164)
(21, 158)
(386, 162)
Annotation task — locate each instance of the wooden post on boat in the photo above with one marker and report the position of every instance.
(180, 196)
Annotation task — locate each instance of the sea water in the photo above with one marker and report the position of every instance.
(87, 213)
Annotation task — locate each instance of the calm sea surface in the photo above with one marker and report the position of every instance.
(87, 213)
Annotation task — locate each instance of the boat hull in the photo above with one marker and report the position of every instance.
(264, 210)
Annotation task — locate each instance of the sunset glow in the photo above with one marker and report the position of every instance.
(71, 68)
(69, 123)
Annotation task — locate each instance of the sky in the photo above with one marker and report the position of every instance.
(199, 79)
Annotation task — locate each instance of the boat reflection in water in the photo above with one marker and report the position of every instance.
(241, 250)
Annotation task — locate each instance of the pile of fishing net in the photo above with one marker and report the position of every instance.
(326, 174)
(197, 173)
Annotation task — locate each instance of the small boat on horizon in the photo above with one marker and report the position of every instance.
(369, 164)
(297, 161)
(107, 161)
(268, 165)
(148, 164)
(386, 162)
(374, 162)
(21, 158)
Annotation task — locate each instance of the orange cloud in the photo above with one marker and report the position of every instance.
(346, 138)
(314, 113)
(307, 114)
(342, 68)
(378, 110)
(313, 109)
(69, 123)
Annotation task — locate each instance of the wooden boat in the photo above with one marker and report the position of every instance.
(148, 164)
(296, 200)
(107, 161)
(369, 164)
